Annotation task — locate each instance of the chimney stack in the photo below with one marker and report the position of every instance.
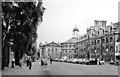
(96, 23)
(103, 23)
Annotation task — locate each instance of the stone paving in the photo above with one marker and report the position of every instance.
(58, 68)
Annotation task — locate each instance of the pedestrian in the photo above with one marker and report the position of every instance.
(27, 61)
(50, 60)
(30, 63)
(45, 64)
(13, 62)
(20, 63)
(42, 63)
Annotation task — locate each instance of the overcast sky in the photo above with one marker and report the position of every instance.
(62, 16)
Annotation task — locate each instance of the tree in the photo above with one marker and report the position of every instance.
(19, 23)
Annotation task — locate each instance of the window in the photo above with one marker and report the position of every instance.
(106, 40)
(116, 49)
(70, 46)
(95, 42)
(106, 46)
(98, 41)
(92, 43)
(52, 49)
(84, 43)
(66, 46)
(103, 40)
(84, 49)
(56, 49)
(92, 34)
(48, 50)
(111, 39)
(111, 49)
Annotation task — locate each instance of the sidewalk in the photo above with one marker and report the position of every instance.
(35, 70)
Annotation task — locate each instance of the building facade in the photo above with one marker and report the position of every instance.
(69, 47)
(52, 50)
(100, 42)
(81, 46)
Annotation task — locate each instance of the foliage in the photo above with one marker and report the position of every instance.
(19, 23)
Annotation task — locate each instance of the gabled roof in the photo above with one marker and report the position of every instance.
(53, 44)
(71, 40)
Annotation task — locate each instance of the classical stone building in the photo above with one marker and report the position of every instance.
(81, 46)
(50, 50)
(103, 40)
(100, 41)
(69, 47)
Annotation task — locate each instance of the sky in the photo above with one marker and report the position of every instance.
(61, 16)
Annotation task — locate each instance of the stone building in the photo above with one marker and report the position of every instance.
(69, 47)
(103, 40)
(81, 46)
(100, 42)
(50, 50)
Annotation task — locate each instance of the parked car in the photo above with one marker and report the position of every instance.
(74, 60)
(117, 63)
(68, 60)
(101, 62)
(60, 60)
(92, 62)
(84, 61)
(65, 60)
(79, 61)
(112, 62)
(57, 59)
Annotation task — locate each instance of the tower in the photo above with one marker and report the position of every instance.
(75, 32)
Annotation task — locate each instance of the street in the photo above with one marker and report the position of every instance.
(60, 68)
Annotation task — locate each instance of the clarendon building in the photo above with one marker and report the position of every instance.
(52, 50)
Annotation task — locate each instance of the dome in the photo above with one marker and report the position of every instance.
(75, 29)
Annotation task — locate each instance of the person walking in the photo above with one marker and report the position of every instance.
(21, 62)
(50, 60)
(46, 63)
(13, 62)
(30, 63)
(27, 61)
